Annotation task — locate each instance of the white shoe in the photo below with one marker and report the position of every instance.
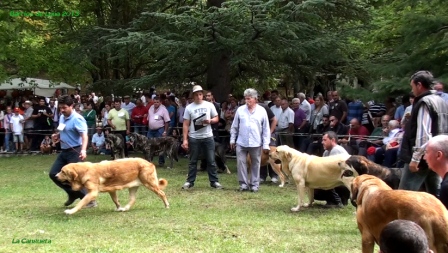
(274, 180)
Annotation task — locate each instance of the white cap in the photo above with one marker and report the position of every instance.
(197, 88)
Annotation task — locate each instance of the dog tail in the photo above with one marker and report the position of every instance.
(163, 183)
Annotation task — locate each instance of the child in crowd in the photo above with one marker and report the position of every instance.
(16, 126)
(46, 145)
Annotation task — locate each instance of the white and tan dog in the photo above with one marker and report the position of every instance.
(111, 176)
(377, 205)
(312, 172)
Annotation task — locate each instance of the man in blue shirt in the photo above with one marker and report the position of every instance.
(72, 133)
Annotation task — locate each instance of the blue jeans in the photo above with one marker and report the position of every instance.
(140, 129)
(412, 181)
(205, 146)
(8, 136)
(155, 134)
(64, 158)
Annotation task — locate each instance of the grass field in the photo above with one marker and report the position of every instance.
(201, 219)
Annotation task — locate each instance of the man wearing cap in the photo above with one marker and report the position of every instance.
(198, 137)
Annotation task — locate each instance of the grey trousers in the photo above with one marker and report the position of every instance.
(243, 177)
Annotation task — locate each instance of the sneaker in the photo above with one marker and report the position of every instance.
(216, 185)
(91, 204)
(102, 153)
(241, 189)
(255, 190)
(274, 180)
(187, 186)
(262, 180)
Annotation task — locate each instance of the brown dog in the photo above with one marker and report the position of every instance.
(110, 176)
(377, 205)
(265, 160)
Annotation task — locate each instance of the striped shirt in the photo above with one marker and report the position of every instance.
(423, 132)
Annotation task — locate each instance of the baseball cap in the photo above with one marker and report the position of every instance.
(197, 88)
(27, 102)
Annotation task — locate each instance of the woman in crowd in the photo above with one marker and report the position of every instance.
(105, 112)
(90, 116)
(319, 111)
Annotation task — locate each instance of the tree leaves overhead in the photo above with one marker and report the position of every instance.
(226, 45)
(408, 36)
(263, 39)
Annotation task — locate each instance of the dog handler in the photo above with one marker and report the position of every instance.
(72, 132)
(329, 142)
(251, 125)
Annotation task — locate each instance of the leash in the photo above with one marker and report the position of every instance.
(61, 141)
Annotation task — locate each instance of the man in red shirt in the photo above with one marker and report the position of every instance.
(138, 114)
(356, 134)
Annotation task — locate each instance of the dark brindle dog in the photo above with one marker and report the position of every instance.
(155, 146)
(116, 144)
(220, 159)
(391, 176)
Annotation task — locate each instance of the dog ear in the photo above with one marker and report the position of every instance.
(288, 155)
(358, 163)
(71, 174)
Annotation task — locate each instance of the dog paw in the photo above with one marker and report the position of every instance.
(295, 209)
(69, 211)
(281, 185)
(306, 205)
(121, 209)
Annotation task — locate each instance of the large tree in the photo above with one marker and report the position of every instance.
(220, 42)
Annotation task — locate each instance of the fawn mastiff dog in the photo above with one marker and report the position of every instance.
(312, 172)
(265, 160)
(377, 205)
(110, 176)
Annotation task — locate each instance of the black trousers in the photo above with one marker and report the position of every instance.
(65, 157)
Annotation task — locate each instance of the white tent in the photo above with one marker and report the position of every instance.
(41, 87)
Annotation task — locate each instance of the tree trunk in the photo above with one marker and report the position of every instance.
(218, 76)
(218, 71)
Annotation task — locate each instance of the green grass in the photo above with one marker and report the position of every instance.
(200, 219)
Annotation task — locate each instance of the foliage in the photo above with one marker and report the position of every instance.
(407, 36)
(30, 42)
(263, 39)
